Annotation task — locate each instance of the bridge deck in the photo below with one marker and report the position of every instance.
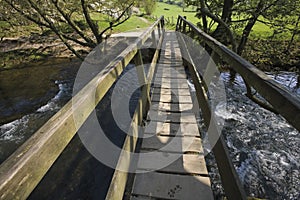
(171, 164)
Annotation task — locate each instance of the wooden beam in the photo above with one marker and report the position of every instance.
(230, 180)
(24, 169)
(119, 180)
(280, 98)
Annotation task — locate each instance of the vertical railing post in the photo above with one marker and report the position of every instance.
(177, 24)
(184, 25)
(180, 24)
(138, 60)
(153, 38)
(159, 29)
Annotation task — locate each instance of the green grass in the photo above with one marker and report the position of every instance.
(173, 11)
(259, 30)
(132, 24)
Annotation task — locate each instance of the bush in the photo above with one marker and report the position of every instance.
(149, 6)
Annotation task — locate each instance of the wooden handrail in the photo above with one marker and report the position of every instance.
(119, 180)
(25, 168)
(282, 100)
(230, 180)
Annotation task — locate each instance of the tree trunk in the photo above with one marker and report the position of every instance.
(294, 34)
(246, 33)
(203, 14)
(249, 26)
(226, 17)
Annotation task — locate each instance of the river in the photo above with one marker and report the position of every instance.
(264, 147)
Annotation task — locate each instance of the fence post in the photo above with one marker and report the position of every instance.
(138, 61)
(177, 24)
(184, 25)
(154, 43)
(159, 29)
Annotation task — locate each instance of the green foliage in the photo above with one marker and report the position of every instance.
(149, 6)
(73, 21)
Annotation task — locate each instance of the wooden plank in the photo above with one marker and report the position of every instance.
(175, 72)
(179, 144)
(183, 164)
(24, 169)
(161, 116)
(170, 186)
(171, 144)
(164, 91)
(172, 86)
(168, 68)
(125, 163)
(231, 183)
(170, 99)
(172, 107)
(172, 129)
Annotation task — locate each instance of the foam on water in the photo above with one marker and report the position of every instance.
(53, 105)
(16, 132)
(265, 149)
(12, 131)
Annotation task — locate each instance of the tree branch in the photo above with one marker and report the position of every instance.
(28, 17)
(220, 21)
(55, 30)
(89, 42)
(117, 24)
(90, 22)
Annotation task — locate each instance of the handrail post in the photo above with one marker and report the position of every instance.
(177, 24)
(138, 60)
(230, 180)
(180, 24)
(153, 37)
(159, 29)
(184, 25)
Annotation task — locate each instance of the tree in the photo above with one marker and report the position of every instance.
(243, 14)
(73, 21)
(149, 6)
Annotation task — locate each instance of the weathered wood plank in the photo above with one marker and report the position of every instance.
(183, 164)
(172, 129)
(23, 170)
(172, 107)
(178, 144)
(171, 144)
(120, 177)
(170, 186)
(161, 116)
(171, 98)
(164, 91)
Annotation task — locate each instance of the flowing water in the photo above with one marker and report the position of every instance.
(265, 149)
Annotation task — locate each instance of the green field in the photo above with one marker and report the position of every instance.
(170, 11)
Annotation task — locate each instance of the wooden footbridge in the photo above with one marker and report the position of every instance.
(167, 108)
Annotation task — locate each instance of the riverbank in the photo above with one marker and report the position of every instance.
(24, 90)
(273, 55)
(267, 55)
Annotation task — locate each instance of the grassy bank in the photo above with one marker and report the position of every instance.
(263, 50)
(266, 50)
